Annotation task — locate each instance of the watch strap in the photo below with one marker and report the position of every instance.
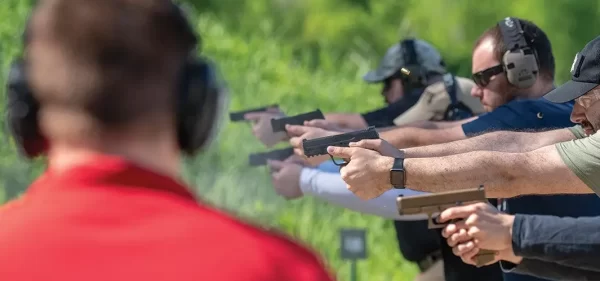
(397, 175)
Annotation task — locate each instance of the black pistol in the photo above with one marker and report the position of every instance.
(238, 116)
(260, 159)
(279, 124)
(318, 146)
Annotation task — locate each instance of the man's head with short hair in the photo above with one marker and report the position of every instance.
(584, 88)
(99, 66)
(488, 53)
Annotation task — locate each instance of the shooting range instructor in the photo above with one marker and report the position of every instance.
(114, 89)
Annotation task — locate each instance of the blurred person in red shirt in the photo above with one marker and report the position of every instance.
(111, 86)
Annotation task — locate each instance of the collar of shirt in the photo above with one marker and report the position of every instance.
(109, 170)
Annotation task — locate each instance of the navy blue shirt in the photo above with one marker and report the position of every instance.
(573, 242)
(384, 117)
(556, 248)
(531, 115)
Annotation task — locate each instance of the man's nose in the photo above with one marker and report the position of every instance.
(476, 91)
(578, 114)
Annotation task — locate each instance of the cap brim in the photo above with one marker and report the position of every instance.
(569, 91)
(374, 76)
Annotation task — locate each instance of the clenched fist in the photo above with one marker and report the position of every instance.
(262, 129)
(286, 178)
(299, 133)
(367, 172)
(480, 226)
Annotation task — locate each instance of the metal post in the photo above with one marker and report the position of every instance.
(353, 247)
(353, 271)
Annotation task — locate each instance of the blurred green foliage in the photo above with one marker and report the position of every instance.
(311, 54)
(327, 31)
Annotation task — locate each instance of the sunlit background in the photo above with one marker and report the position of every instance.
(309, 54)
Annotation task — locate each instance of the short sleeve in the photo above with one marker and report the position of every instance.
(521, 115)
(582, 156)
(578, 131)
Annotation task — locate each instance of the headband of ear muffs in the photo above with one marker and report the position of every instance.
(417, 79)
(201, 99)
(520, 60)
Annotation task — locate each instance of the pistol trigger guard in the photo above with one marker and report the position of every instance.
(433, 222)
(342, 164)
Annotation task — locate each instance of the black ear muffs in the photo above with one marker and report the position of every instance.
(201, 104)
(22, 112)
(201, 98)
(417, 78)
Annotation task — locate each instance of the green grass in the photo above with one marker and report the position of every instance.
(260, 70)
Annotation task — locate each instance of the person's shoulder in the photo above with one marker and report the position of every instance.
(11, 206)
(539, 103)
(538, 108)
(436, 88)
(275, 246)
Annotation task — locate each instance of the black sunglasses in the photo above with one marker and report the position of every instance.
(482, 78)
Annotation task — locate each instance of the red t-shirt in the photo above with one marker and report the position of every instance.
(116, 221)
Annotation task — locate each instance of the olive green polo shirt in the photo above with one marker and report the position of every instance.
(582, 156)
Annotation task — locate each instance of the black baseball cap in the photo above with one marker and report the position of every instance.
(585, 74)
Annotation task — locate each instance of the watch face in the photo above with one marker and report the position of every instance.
(397, 178)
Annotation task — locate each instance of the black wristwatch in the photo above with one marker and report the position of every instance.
(397, 178)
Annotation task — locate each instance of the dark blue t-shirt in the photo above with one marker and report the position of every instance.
(384, 117)
(528, 115)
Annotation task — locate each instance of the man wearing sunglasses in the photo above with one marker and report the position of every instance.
(512, 97)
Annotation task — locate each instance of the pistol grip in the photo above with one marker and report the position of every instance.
(484, 257)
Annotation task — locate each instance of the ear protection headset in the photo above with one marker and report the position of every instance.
(520, 60)
(457, 110)
(417, 77)
(200, 99)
